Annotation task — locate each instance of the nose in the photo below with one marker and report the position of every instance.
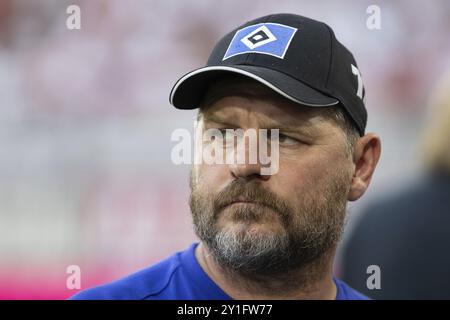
(248, 171)
(245, 166)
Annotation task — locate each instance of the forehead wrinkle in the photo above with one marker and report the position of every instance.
(264, 120)
(291, 116)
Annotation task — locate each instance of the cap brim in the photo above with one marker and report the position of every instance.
(189, 89)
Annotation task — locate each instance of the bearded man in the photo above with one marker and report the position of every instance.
(268, 236)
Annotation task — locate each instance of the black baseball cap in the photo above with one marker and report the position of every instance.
(297, 57)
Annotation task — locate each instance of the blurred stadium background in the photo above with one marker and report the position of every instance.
(85, 170)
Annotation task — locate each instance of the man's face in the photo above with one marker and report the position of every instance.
(271, 224)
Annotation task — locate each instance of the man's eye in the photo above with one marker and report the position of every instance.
(286, 140)
(227, 134)
(224, 131)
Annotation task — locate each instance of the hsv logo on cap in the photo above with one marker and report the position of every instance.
(264, 38)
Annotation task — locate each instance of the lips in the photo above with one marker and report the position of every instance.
(243, 200)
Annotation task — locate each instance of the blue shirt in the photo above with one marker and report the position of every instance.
(178, 277)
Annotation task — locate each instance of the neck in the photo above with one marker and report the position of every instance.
(313, 281)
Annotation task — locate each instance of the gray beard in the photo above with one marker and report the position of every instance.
(276, 256)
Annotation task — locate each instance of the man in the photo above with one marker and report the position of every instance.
(269, 236)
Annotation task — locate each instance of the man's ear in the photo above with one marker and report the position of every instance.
(365, 157)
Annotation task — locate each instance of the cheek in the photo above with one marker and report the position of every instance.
(212, 177)
(300, 171)
(303, 175)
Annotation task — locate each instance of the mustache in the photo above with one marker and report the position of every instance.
(251, 191)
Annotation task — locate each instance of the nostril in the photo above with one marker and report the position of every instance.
(248, 176)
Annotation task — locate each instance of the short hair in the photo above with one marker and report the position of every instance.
(338, 114)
